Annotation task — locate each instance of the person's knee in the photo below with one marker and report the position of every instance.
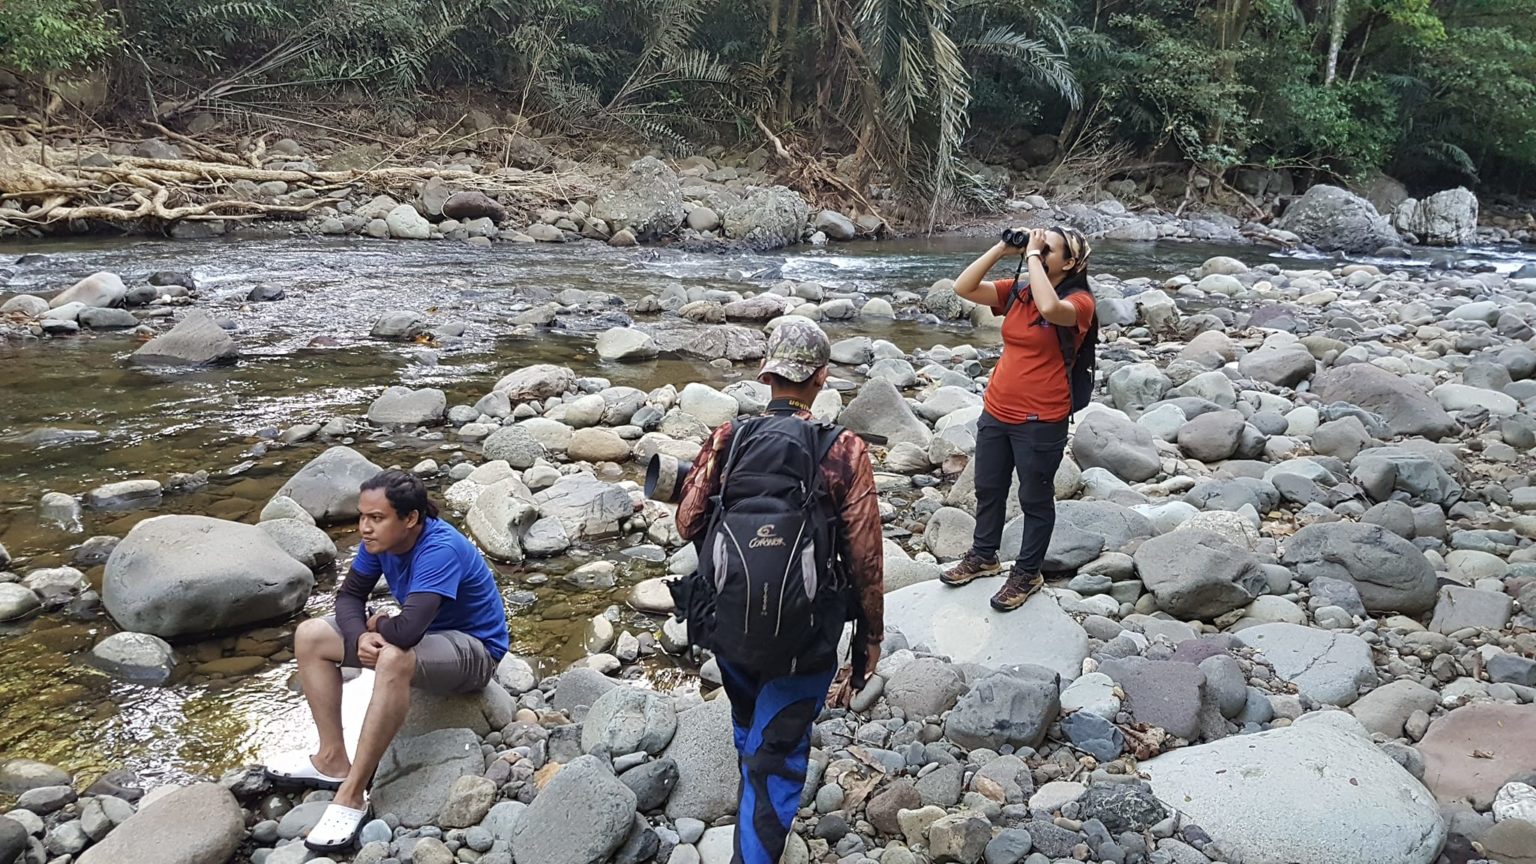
(314, 638)
(395, 663)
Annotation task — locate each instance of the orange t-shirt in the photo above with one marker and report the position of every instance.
(1030, 381)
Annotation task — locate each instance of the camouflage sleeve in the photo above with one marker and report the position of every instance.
(859, 508)
(701, 484)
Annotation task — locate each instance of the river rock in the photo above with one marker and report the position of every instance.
(1406, 409)
(405, 223)
(925, 687)
(767, 218)
(17, 602)
(418, 769)
(708, 405)
(879, 409)
(26, 305)
(1385, 709)
(1459, 608)
(597, 445)
(306, 543)
(626, 344)
(1390, 573)
(197, 340)
(469, 800)
(124, 495)
(1316, 792)
(1327, 667)
(1332, 219)
(500, 518)
(959, 623)
(1282, 360)
(138, 657)
(468, 204)
(1161, 693)
(539, 381)
(1474, 750)
(1446, 218)
(1196, 573)
(586, 506)
(960, 837)
(1109, 440)
(98, 290)
(647, 200)
(1014, 707)
(402, 325)
(327, 487)
(108, 319)
(629, 720)
(514, 445)
(402, 406)
(180, 575)
(707, 767)
(162, 833)
(835, 225)
(1212, 436)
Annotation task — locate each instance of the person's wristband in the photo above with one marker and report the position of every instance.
(1033, 253)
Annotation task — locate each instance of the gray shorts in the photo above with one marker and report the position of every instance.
(447, 661)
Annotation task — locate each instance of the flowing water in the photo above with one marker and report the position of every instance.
(73, 415)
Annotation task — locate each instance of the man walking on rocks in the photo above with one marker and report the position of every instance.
(449, 635)
(784, 511)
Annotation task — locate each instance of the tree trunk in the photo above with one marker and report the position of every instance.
(791, 25)
(1335, 41)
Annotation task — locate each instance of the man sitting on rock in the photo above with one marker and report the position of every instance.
(448, 637)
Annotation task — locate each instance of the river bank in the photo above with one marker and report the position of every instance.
(1286, 466)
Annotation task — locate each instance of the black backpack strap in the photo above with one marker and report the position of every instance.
(1013, 293)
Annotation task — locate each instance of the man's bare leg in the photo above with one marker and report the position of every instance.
(318, 648)
(386, 714)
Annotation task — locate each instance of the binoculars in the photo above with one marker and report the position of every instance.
(664, 476)
(1016, 237)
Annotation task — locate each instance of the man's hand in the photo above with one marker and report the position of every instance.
(373, 622)
(368, 647)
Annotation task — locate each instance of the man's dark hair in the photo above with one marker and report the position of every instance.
(405, 491)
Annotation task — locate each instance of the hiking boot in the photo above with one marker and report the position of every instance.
(1020, 587)
(970, 566)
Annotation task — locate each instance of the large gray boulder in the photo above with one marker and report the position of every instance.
(586, 506)
(1315, 792)
(1013, 707)
(1109, 440)
(769, 218)
(98, 291)
(500, 518)
(1334, 219)
(1282, 360)
(924, 687)
(401, 406)
(1383, 471)
(1196, 573)
(539, 381)
(581, 817)
(629, 720)
(515, 445)
(418, 769)
(879, 409)
(1212, 436)
(327, 487)
(181, 575)
(647, 200)
(198, 824)
(960, 624)
(197, 340)
(714, 342)
(1328, 667)
(1406, 409)
(1446, 218)
(708, 773)
(1390, 573)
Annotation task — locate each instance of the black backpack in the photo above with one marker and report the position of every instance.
(1078, 360)
(768, 594)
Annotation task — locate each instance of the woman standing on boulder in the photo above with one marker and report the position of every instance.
(1029, 399)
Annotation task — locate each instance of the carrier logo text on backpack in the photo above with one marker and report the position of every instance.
(765, 537)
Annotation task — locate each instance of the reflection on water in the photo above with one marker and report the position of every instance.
(73, 415)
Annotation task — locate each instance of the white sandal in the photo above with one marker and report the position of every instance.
(295, 767)
(337, 829)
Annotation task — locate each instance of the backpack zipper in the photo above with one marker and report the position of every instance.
(746, 623)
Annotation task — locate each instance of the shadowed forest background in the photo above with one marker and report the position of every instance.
(912, 94)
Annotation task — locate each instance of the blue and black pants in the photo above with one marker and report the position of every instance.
(771, 718)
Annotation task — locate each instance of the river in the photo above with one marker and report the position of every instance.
(121, 422)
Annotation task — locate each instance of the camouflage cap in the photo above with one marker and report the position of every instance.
(796, 349)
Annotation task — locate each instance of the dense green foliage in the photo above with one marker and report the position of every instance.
(1434, 91)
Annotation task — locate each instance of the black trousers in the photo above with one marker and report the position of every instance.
(1032, 451)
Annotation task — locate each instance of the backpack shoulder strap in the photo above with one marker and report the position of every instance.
(1014, 292)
